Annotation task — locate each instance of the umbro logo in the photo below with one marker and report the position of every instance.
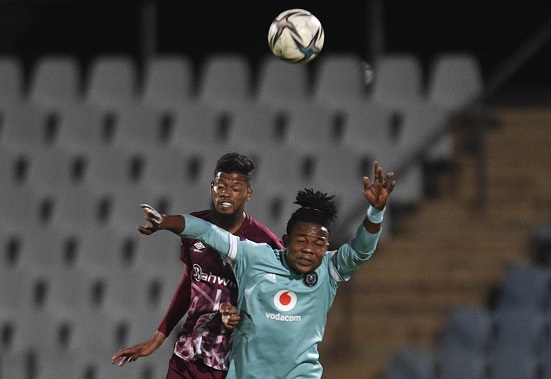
(198, 247)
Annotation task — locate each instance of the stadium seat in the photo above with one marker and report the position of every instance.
(77, 208)
(282, 85)
(168, 82)
(53, 169)
(12, 81)
(225, 81)
(424, 128)
(518, 330)
(398, 80)
(105, 250)
(46, 251)
(199, 124)
(525, 286)
(60, 365)
(14, 166)
(15, 365)
(513, 365)
(460, 364)
(112, 81)
(253, 131)
(157, 254)
(55, 82)
(22, 207)
(138, 128)
(130, 293)
(455, 80)
(81, 129)
(310, 128)
(467, 328)
(340, 81)
(23, 129)
(367, 130)
(70, 292)
(411, 362)
(113, 169)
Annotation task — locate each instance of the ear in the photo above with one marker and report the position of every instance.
(285, 240)
(250, 192)
(211, 186)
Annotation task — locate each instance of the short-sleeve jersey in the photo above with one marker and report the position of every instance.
(212, 282)
(283, 314)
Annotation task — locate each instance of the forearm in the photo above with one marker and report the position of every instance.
(173, 223)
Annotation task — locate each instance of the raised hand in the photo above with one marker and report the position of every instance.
(153, 218)
(378, 190)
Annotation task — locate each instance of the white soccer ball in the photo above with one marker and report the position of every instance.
(296, 36)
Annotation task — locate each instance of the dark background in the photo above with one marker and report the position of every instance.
(492, 30)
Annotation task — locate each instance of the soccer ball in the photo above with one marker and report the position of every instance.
(296, 36)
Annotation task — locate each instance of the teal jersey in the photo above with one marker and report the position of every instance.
(283, 314)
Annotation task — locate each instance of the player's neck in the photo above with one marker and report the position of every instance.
(231, 222)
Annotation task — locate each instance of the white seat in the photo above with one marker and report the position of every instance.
(455, 80)
(112, 81)
(340, 81)
(80, 129)
(46, 251)
(14, 166)
(157, 255)
(22, 206)
(53, 169)
(168, 82)
(11, 80)
(200, 127)
(14, 365)
(254, 131)
(76, 208)
(398, 79)
(130, 293)
(61, 365)
(225, 80)
(367, 130)
(282, 85)
(310, 127)
(69, 292)
(126, 212)
(23, 129)
(55, 82)
(138, 128)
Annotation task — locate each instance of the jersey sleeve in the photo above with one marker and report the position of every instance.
(219, 239)
(350, 256)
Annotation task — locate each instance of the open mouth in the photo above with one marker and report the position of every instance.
(225, 204)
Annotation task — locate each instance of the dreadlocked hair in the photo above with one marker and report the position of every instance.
(316, 207)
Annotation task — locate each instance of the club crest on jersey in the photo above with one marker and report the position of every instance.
(285, 300)
(311, 279)
(198, 247)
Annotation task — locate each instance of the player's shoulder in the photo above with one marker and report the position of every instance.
(255, 231)
(204, 214)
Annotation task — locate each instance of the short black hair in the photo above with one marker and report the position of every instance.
(316, 207)
(235, 163)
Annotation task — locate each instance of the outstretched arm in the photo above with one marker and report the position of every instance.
(377, 192)
(156, 221)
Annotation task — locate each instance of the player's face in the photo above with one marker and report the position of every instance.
(306, 246)
(230, 192)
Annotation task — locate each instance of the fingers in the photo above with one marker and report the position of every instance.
(123, 357)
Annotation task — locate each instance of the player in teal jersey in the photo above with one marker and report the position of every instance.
(285, 295)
